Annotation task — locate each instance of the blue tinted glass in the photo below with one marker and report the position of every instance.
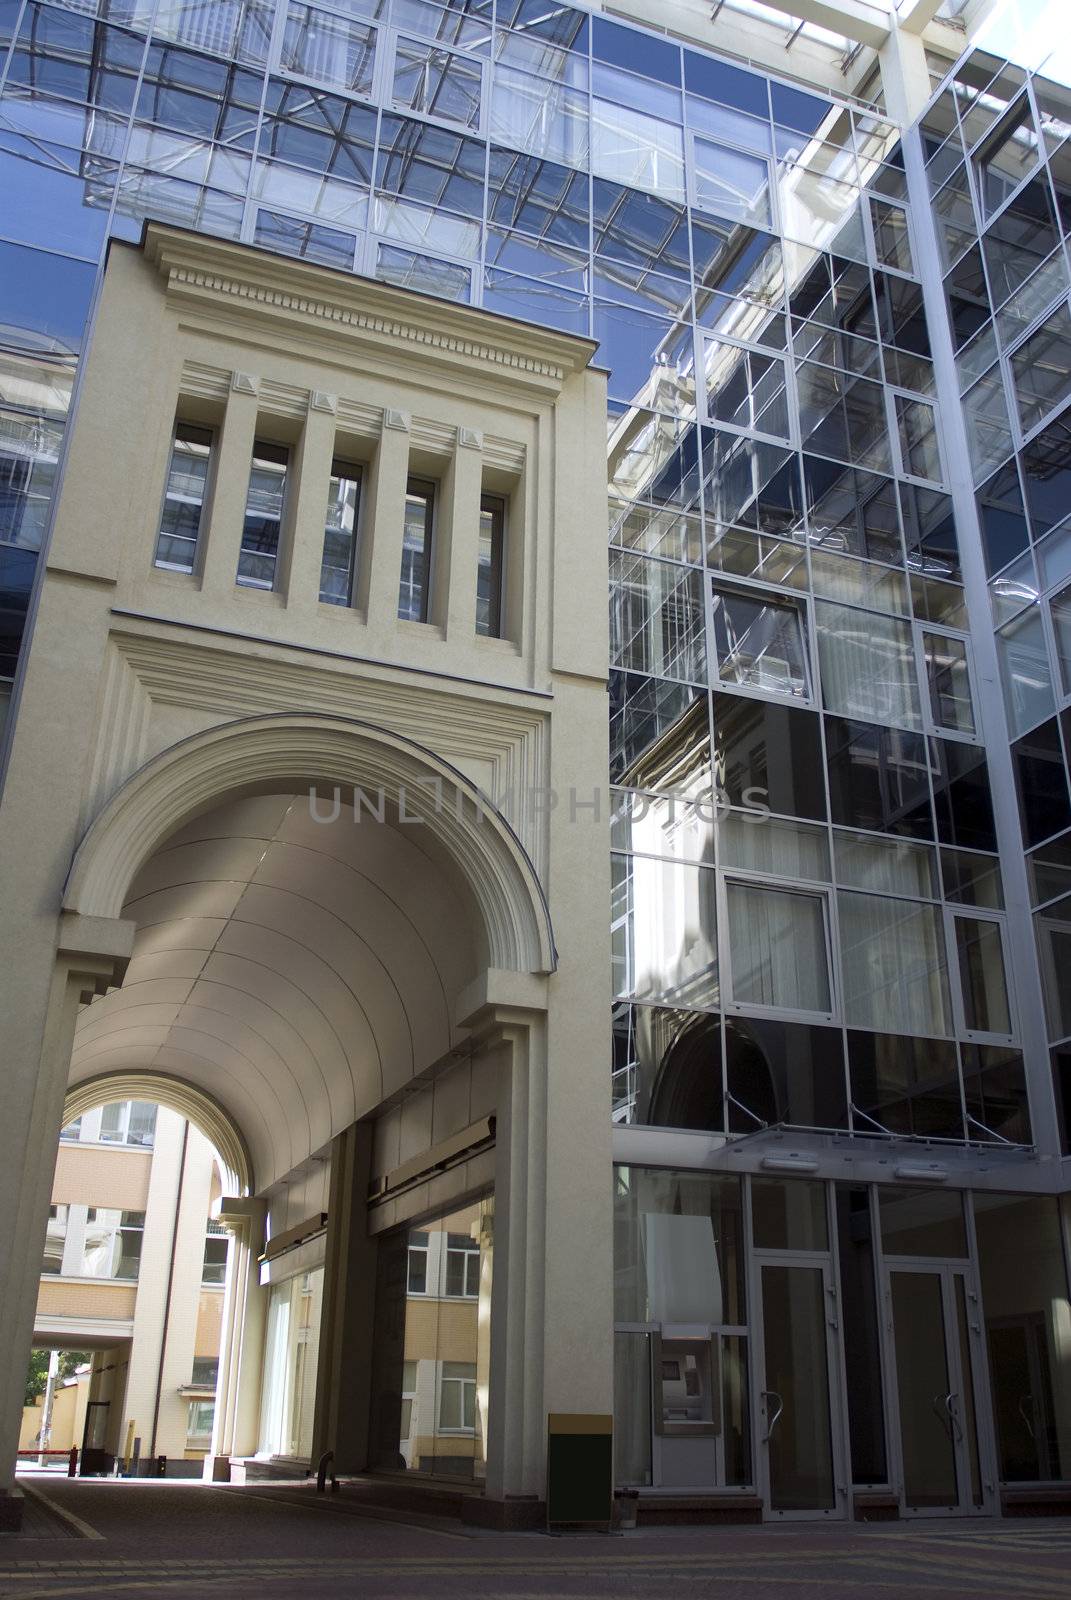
(17, 568)
(9, 15)
(44, 202)
(538, 196)
(631, 226)
(639, 286)
(309, 240)
(638, 348)
(637, 52)
(318, 130)
(533, 301)
(429, 164)
(53, 51)
(199, 96)
(559, 25)
(715, 80)
(516, 252)
(795, 109)
(46, 294)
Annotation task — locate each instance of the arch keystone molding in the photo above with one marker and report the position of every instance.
(289, 751)
(193, 1104)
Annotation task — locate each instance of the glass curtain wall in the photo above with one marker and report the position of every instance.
(999, 166)
(432, 1349)
(789, 628)
(291, 1353)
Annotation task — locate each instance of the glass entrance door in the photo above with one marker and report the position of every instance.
(935, 1363)
(800, 1447)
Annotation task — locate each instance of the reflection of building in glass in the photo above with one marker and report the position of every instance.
(827, 277)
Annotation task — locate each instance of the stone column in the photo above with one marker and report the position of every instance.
(91, 956)
(381, 561)
(236, 1423)
(302, 557)
(460, 559)
(230, 487)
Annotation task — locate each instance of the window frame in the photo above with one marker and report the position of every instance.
(930, 723)
(694, 135)
(262, 444)
(497, 507)
(205, 505)
(464, 1386)
(354, 473)
(374, 26)
(397, 37)
(429, 489)
(470, 1253)
(824, 895)
(790, 439)
(799, 602)
(953, 913)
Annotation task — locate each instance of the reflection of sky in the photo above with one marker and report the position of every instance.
(1025, 31)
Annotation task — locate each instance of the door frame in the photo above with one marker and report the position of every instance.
(816, 1261)
(947, 1269)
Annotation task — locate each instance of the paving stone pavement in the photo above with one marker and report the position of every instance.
(268, 1542)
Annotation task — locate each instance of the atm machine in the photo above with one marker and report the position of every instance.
(684, 1299)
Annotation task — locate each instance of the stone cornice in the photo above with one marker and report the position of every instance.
(214, 270)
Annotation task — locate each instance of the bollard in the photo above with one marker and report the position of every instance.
(72, 1462)
(326, 1461)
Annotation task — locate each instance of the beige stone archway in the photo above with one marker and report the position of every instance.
(184, 1098)
(255, 754)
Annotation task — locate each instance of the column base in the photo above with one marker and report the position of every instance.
(12, 1505)
(217, 1469)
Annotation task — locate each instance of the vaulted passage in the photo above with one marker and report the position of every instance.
(300, 972)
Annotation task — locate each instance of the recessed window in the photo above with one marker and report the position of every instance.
(214, 1270)
(778, 949)
(760, 642)
(490, 566)
(184, 498)
(983, 986)
(263, 516)
(437, 83)
(414, 590)
(339, 566)
(328, 48)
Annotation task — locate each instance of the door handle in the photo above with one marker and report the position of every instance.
(955, 1432)
(772, 1394)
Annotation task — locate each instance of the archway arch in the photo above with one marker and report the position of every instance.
(256, 754)
(186, 1099)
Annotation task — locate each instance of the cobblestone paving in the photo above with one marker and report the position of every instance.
(268, 1543)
